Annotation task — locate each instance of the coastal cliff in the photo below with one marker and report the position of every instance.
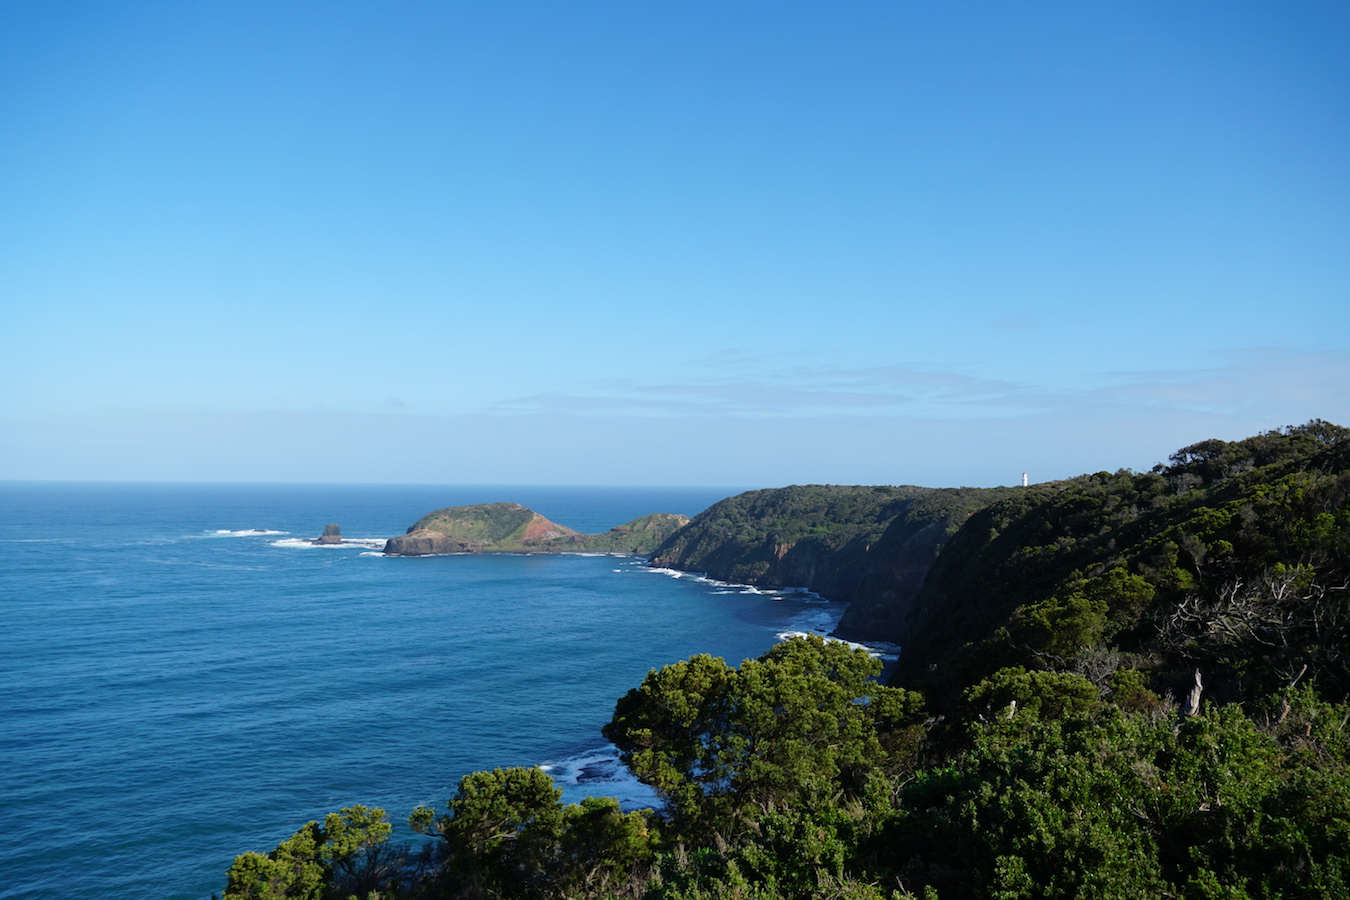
(868, 545)
(899, 562)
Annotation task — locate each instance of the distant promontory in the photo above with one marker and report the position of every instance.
(512, 528)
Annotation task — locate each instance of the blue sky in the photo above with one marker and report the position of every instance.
(744, 244)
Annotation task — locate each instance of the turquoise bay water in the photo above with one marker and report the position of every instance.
(183, 679)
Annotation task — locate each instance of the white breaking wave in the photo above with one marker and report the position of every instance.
(824, 621)
(821, 621)
(347, 544)
(732, 587)
(885, 652)
(701, 578)
(247, 532)
(600, 773)
(673, 573)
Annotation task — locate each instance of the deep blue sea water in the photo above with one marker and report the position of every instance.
(182, 679)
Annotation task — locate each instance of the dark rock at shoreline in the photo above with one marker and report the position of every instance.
(424, 542)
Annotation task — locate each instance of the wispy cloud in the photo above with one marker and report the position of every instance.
(777, 390)
(867, 425)
(1018, 323)
(1261, 382)
(1253, 380)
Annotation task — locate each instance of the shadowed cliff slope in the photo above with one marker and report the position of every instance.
(1234, 559)
(868, 545)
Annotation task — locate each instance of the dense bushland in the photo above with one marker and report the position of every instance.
(1235, 560)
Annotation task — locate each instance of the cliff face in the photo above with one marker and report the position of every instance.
(424, 542)
(813, 536)
(871, 546)
(883, 607)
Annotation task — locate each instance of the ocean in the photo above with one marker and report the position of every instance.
(184, 677)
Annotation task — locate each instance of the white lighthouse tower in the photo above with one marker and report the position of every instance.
(1024, 479)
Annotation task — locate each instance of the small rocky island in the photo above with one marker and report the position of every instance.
(332, 534)
(332, 537)
(512, 528)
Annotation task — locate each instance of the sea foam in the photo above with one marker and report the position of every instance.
(347, 544)
(599, 772)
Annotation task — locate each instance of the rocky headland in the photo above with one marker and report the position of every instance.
(870, 546)
(512, 528)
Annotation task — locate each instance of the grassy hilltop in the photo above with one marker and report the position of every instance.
(512, 528)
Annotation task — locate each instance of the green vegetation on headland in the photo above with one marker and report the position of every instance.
(1120, 685)
(1232, 559)
(868, 546)
(639, 537)
(511, 528)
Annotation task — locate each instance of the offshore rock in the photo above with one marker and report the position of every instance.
(332, 534)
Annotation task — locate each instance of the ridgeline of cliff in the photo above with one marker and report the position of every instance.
(512, 528)
(639, 537)
(871, 546)
(1233, 560)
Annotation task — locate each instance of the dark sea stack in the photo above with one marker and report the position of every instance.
(332, 534)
